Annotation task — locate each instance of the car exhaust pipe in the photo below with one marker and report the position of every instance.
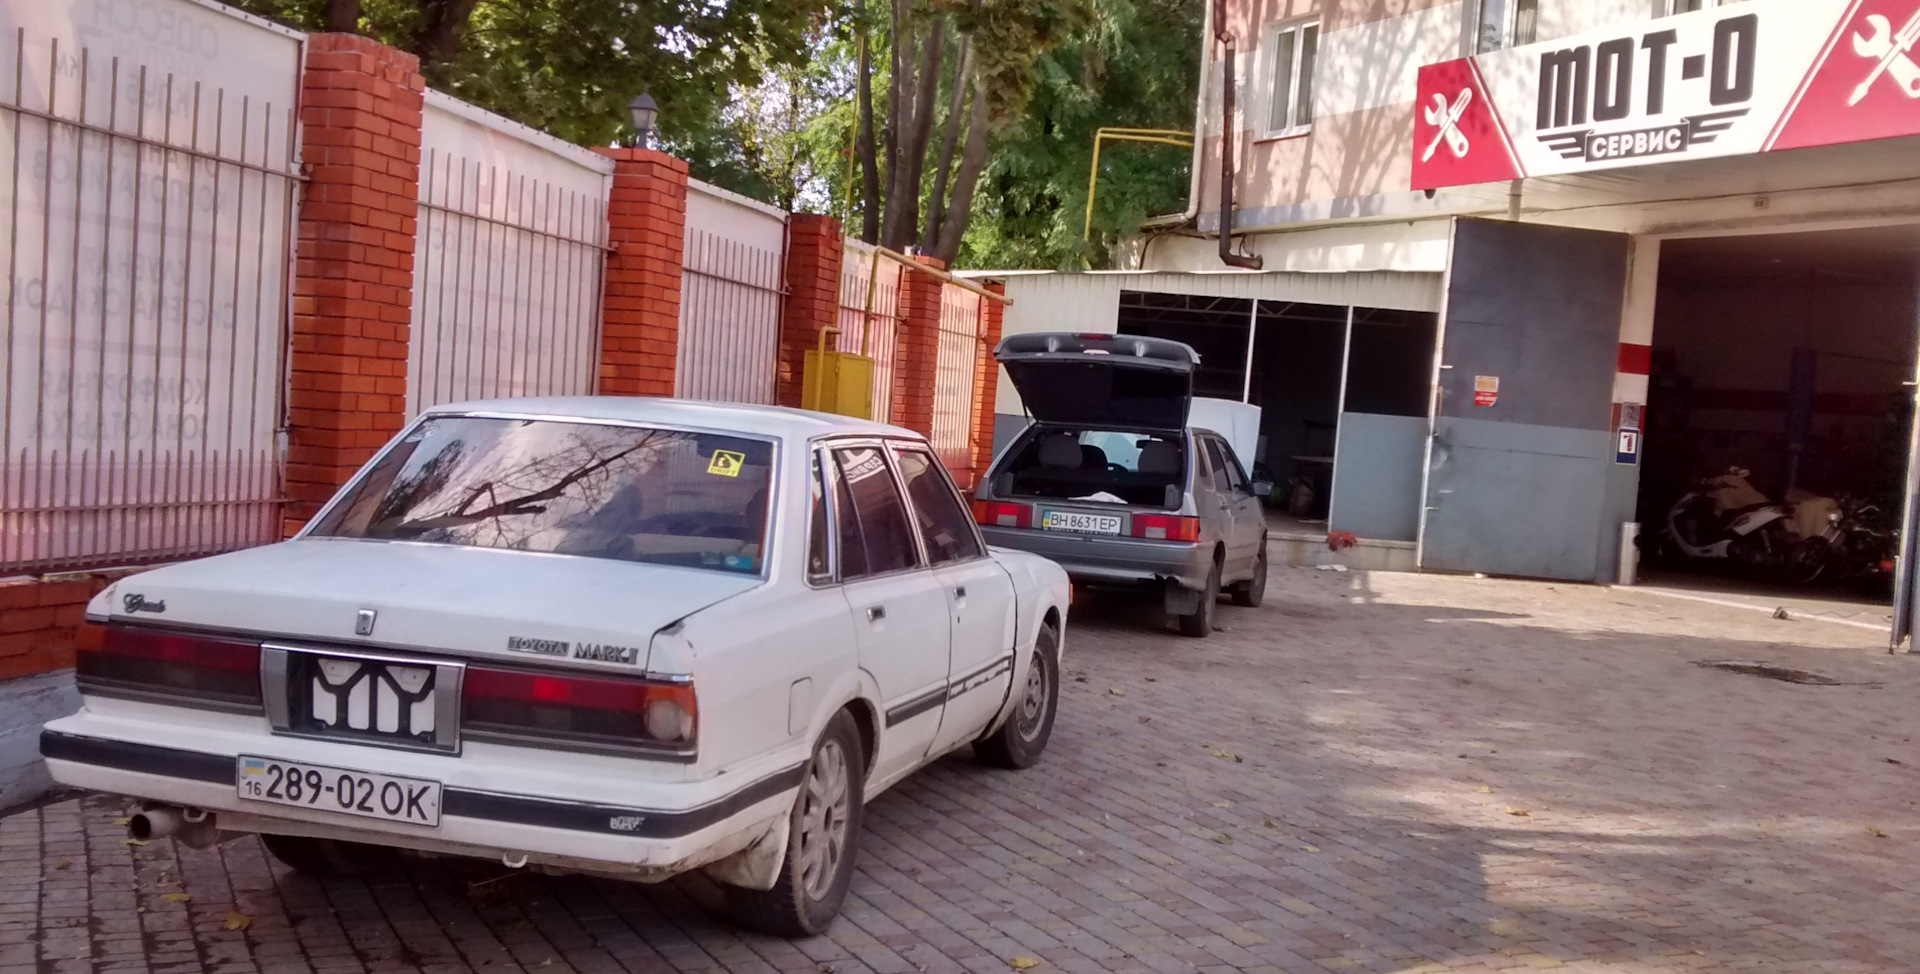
(155, 823)
(194, 827)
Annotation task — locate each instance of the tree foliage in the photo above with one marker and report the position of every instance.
(1136, 67)
(569, 67)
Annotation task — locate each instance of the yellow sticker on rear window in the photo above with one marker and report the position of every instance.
(726, 463)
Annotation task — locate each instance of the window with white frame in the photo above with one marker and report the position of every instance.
(1507, 23)
(1290, 94)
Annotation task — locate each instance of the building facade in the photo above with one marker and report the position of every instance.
(1657, 238)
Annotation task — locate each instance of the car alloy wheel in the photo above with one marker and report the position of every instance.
(824, 820)
(1033, 703)
(823, 833)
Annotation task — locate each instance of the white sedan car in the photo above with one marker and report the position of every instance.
(631, 637)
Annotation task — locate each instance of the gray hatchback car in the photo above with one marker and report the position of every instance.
(1110, 481)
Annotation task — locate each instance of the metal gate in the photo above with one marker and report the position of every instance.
(955, 374)
(870, 316)
(1526, 484)
(730, 295)
(144, 234)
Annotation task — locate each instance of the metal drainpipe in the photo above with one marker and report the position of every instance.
(1225, 37)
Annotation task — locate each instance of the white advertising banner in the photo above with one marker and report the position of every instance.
(1745, 78)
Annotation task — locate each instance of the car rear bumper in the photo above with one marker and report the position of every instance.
(1098, 560)
(648, 831)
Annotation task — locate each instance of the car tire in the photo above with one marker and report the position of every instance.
(322, 857)
(821, 843)
(1020, 741)
(1199, 622)
(1253, 591)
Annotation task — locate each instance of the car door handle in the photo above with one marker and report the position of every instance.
(875, 613)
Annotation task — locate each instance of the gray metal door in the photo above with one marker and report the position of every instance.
(1522, 480)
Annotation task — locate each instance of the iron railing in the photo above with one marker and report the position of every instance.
(506, 297)
(146, 224)
(867, 328)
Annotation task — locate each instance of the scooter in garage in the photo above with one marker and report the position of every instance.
(1839, 539)
(1725, 518)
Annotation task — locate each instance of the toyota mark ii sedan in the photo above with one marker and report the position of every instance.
(630, 637)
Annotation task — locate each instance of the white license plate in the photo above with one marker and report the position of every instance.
(386, 797)
(1078, 522)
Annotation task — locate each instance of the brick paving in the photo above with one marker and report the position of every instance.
(1386, 773)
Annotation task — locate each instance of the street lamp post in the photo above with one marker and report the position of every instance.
(643, 110)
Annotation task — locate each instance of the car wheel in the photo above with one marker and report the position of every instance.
(1253, 591)
(1018, 743)
(820, 844)
(322, 857)
(1199, 623)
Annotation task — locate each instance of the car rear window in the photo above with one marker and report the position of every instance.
(599, 491)
(1111, 466)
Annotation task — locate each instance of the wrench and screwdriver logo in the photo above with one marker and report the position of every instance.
(1891, 53)
(1446, 118)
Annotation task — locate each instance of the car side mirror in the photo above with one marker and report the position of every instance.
(1262, 488)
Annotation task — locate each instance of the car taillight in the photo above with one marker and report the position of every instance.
(171, 667)
(1000, 514)
(589, 709)
(1166, 527)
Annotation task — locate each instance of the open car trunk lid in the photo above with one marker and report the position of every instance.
(1112, 382)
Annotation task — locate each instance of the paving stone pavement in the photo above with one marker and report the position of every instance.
(1385, 773)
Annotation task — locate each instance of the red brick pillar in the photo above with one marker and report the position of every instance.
(987, 379)
(360, 104)
(917, 348)
(640, 312)
(814, 252)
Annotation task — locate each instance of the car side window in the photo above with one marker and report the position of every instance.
(819, 569)
(1205, 467)
(873, 516)
(944, 523)
(1223, 460)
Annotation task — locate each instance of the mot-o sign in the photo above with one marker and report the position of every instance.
(1739, 79)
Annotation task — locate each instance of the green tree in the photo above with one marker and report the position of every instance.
(569, 67)
(1136, 66)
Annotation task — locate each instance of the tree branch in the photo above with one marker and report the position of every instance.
(949, 142)
(972, 160)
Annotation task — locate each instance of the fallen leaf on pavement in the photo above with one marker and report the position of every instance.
(1144, 718)
(1269, 823)
(1310, 848)
(1876, 833)
(1116, 691)
(122, 821)
(176, 897)
(1518, 812)
(1484, 790)
(237, 920)
(135, 842)
(1218, 753)
(1223, 804)
(62, 863)
(1023, 962)
(1223, 838)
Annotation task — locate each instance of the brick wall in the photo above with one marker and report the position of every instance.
(812, 275)
(353, 273)
(640, 313)
(40, 621)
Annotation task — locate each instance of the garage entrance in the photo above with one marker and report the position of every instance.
(1786, 357)
(1343, 395)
